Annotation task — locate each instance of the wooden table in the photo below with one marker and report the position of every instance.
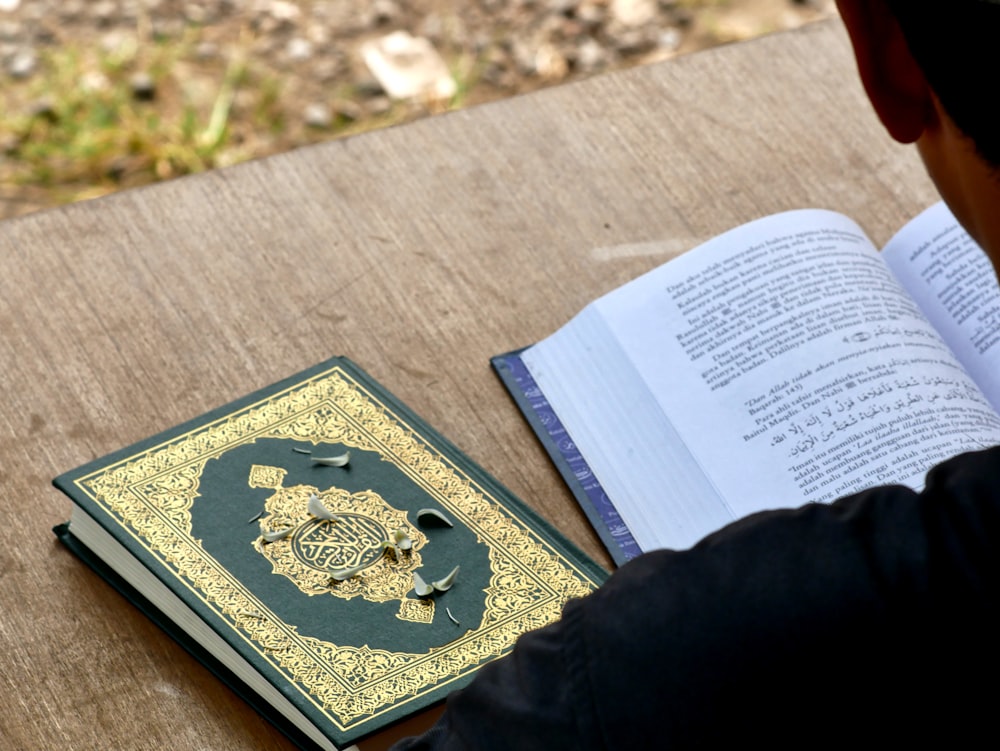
(418, 251)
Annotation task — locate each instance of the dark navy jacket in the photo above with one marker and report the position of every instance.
(870, 620)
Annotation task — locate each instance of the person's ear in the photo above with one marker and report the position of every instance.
(895, 84)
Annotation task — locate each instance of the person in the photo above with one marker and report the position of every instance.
(922, 64)
(874, 619)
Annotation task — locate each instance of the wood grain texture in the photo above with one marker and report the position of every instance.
(419, 252)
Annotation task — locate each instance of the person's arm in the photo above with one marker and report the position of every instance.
(875, 615)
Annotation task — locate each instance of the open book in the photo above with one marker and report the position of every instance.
(786, 361)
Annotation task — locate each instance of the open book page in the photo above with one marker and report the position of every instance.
(790, 361)
(951, 279)
(630, 446)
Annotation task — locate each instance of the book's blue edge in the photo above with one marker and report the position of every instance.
(559, 445)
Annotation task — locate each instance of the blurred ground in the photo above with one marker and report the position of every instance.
(98, 95)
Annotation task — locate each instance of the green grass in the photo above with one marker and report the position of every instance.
(77, 129)
(89, 133)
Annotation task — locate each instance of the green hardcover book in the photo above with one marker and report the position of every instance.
(283, 539)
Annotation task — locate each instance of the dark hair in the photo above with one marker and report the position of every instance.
(955, 43)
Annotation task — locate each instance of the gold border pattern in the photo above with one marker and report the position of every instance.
(152, 493)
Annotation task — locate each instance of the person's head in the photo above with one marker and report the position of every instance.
(927, 65)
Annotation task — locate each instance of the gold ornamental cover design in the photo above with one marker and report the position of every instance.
(365, 649)
(358, 537)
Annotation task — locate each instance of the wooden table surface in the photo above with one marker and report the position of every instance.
(419, 252)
